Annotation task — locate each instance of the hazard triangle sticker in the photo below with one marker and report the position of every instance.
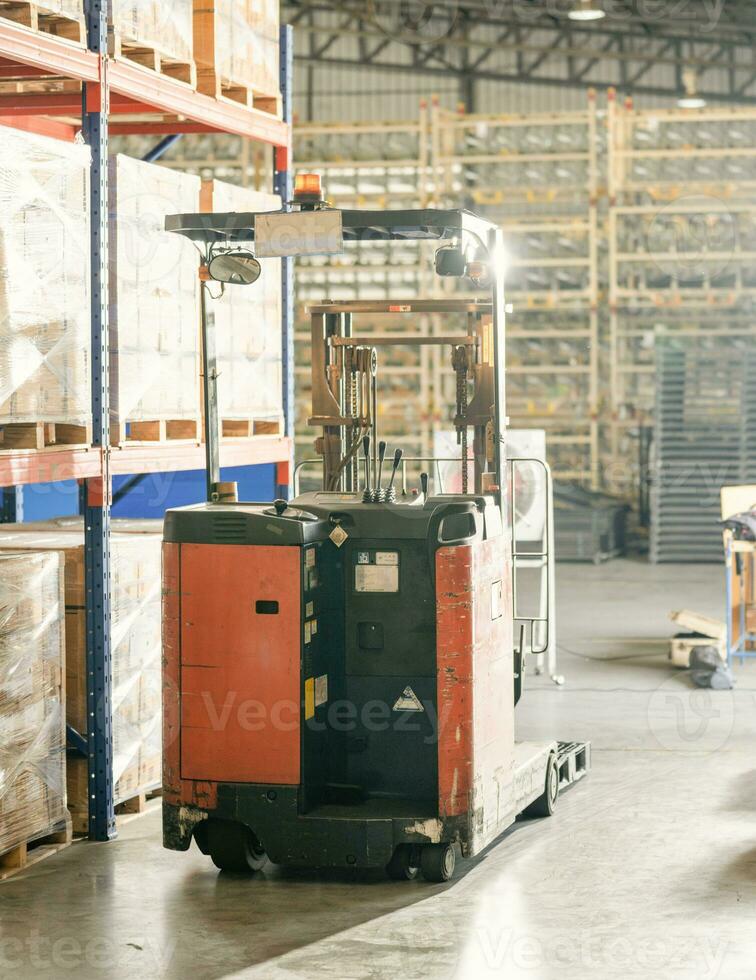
(408, 701)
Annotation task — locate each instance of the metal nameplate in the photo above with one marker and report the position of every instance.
(298, 233)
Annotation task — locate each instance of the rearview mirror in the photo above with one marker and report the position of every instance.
(236, 268)
(450, 261)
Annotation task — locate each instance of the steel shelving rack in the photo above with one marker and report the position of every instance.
(681, 251)
(537, 175)
(125, 99)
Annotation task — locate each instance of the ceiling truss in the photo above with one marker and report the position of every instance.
(534, 42)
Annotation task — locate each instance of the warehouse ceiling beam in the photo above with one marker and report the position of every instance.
(533, 41)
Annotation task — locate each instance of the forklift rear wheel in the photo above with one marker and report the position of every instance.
(544, 805)
(437, 861)
(404, 865)
(233, 847)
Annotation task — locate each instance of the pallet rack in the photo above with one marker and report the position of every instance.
(545, 171)
(114, 97)
(681, 250)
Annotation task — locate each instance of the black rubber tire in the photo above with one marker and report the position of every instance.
(544, 805)
(233, 847)
(437, 862)
(404, 864)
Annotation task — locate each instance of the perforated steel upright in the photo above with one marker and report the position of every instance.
(96, 492)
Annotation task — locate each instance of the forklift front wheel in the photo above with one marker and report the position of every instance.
(233, 847)
(544, 805)
(404, 864)
(437, 861)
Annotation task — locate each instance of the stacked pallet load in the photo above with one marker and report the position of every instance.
(156, 34)
(704, 439)
(44, 301)
(136, 650)
(154, 305)
(248, 330)
(32, 719)
(236, 49)
(61, 18)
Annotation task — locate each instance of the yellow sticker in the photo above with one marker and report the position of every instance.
(314, 627)
(309, 697)
(309, 557)
(310, 609)
(308, 632)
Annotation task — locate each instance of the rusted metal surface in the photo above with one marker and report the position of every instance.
(475, 687)
(171, 672)
(455, 648)
(175, 790)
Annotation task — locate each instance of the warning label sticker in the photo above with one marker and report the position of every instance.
(408, 701)
(376, 578)
(321, 690)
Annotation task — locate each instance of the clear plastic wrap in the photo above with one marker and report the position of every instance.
(248, 322)
(164, 25)
(32, 724)
(241, 42)
(136, 646)
(44, 280)
(154, 295)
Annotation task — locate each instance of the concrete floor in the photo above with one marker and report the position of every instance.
(647, 869)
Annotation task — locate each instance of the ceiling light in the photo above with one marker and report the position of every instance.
(586, 10)
(691, 99)
(691, 102)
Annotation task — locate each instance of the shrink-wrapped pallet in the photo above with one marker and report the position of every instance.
(236, 44)
(154, 295)
(164, 26)
(136, 649)
(248, 323)
(32, 721)
(44, 280)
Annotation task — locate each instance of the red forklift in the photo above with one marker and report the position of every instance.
(340, 670)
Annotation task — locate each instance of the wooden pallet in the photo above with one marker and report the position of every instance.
(208, 83)
(245, 428)
(30, 852)
(157, 430)
(42, 435)
(125, 811)
(37, 18)
(139, 804)
(152, 59)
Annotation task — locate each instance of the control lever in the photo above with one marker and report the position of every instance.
(367, 494)
(390, 492)
(424, 484)
(378, 496)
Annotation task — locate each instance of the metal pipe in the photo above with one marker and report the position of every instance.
(162, 147)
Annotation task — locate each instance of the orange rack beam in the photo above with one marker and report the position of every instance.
(134, 91)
